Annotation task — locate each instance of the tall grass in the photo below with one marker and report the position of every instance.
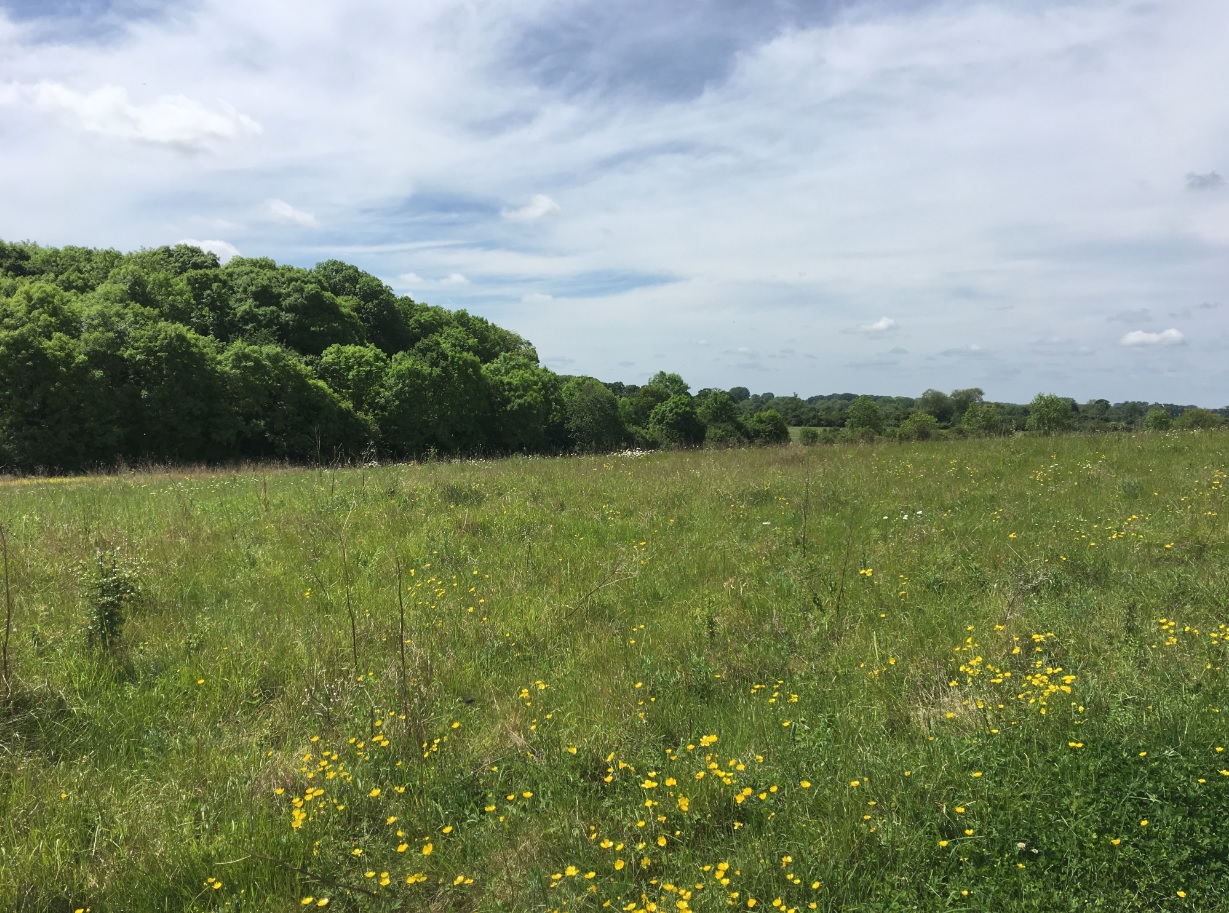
(624, 682)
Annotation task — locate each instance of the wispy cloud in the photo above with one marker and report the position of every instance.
(415, 281)
(168, 120)
(281, 211)
(539, 207)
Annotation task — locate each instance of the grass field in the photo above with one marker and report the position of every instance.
(963, 675)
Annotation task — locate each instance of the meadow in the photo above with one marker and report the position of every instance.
(956, 675)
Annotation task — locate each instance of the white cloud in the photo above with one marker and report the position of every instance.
(413, 280)
(880, 326)
(225, 250)
(1170, 337)
(282, 211)
(536, 298)
(539, 207)
(169, 120)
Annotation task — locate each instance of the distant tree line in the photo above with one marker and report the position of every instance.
(167, 356)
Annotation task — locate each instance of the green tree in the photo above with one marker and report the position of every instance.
(1049, 413)
(180, 411)
(768, 427)
(864, 414)
(354, 373)
(283, 411)
(591, 415)
(675, 422)
(918, 426)
(636, 409)
(526, 404)
(963, 399)
(722, 419)
(55, 413)
(937, 404)
(383, 316)
(982, 418)
(1158, 420)
(673, 384)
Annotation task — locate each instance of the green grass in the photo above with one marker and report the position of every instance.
(1014, 648)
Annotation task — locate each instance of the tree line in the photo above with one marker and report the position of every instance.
(168, 356)
(966, 411)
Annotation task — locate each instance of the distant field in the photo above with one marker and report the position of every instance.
(962, 675)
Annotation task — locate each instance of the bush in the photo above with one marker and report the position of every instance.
(809, 437)
(919, 426)
(112, 585)
(768, 427)
(1158, 420)
(1198, 420)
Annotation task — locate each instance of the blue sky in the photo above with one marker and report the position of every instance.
(798, 197)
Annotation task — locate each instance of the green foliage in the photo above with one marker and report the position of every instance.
(1157, 420)
(963, 399)
(982, 418)
(528, 405)
(722, 420)
(1049, 413)
(111, 584)
(768, 427)
(673, 384)
(919, 426)
(1197, 419)
(865, 414)
(808, 437)
(938, 405)
(282, 411)
(675, 422)
(354, 373)
(591, 415)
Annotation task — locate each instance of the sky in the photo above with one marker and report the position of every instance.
(796, 197)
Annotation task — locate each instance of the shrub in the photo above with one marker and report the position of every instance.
(1158, 420)
(112, 585)
(1198, 420)
(919, 426)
